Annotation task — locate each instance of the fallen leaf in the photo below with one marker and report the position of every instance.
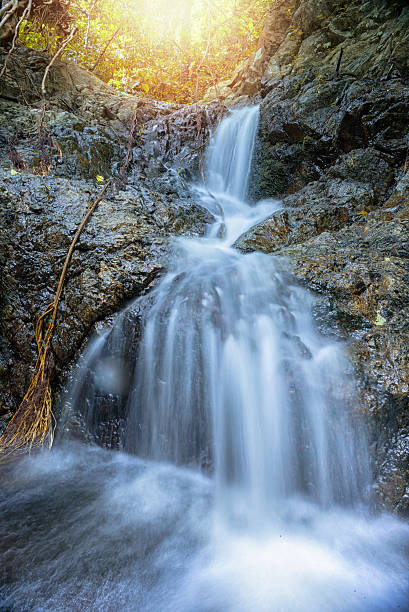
(380, 320)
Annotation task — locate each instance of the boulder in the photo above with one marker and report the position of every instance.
(48, 177)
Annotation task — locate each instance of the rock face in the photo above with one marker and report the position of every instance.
(333, 145)
(361, 267)
(48, 176)
(305, 37)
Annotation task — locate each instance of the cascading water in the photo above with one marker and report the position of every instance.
(231, 368)
(230, 376)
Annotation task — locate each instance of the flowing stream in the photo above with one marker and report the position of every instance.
(243, 481)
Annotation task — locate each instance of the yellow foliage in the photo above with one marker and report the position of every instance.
(379, 320)
(170, 51)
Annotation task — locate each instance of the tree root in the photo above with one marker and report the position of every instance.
(69, 38)
(7, 11)
(33, 424)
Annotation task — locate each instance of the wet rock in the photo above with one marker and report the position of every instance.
(47, 179)
(122, 249)
(306, 124)
(348, 190)
(309, 15)
(246, 79)
(317, 208)
(333, 145)
(363, 268)
(308, 35)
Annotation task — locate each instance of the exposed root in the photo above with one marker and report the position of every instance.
(14, 156)
(69, 38)
(7, 11)
(32, 426)
(33, 423)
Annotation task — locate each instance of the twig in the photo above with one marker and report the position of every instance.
(101, 55)
(81, 226)
(91, 10)
(393, 73)
(200, 146)
(202, 61)
(6, 7)
(341, 53)
(73, 32)
(128, 157)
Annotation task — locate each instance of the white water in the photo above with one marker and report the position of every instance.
(230, 375)
(232, 369)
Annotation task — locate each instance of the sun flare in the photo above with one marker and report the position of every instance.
(171, 51)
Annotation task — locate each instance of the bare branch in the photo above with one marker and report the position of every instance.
(25, 15)
(6, 7)
(32, 424)
(91, 10)
(73, 32)
(101, 55)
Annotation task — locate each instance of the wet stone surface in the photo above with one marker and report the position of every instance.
(47, 179)
(334, 147)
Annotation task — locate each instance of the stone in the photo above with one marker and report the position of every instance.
(333, 146)
(124, 246)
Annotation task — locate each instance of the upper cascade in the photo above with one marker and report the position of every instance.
(228, 159)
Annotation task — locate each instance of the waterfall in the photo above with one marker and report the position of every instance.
(245, 481)
(230, 154)
(231, 374)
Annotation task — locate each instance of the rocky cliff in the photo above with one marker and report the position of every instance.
(52, 165)
(332, 80)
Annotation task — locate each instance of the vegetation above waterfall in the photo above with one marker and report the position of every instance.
(171, 51)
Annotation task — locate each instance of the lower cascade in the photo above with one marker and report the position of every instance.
(243, 481)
